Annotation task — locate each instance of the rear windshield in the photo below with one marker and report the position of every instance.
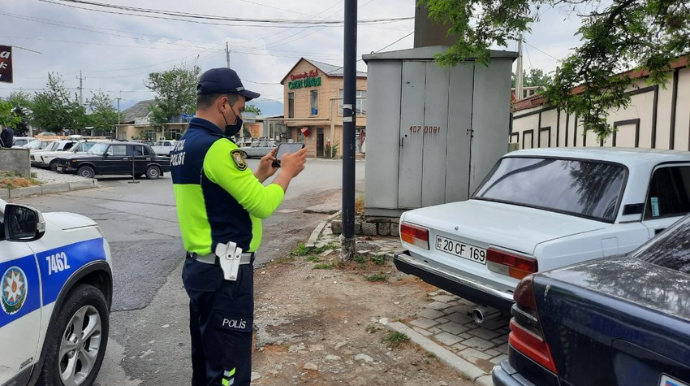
(670, 249)
(583, 188)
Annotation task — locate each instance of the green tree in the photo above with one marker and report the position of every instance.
(616, 36)
(54, 109)
(103, 115)
(21, 105)
(536, 77)
(175, 93)
(252, 109)
(7, 115)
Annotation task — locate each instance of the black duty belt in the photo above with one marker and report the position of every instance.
(247, 258)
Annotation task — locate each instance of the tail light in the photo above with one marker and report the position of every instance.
(526, 334)
(414, 235)
(511, 264)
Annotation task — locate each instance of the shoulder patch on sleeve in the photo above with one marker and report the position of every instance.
(236, 156)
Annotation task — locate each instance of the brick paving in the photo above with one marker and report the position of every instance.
(444, 319)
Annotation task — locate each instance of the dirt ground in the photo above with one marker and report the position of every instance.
(320, 323)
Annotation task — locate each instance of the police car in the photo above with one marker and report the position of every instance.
(56, 291)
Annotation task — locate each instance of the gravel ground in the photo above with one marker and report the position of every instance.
(51, 177)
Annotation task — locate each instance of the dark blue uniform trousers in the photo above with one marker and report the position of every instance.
(221, 320)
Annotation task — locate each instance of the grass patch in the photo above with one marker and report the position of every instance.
(303, 250)
(313, 258)
(323, 266)
(9, 180)
(376, 277)
(378, 260)
(395, 339)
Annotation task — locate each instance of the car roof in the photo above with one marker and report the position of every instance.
(625, 156)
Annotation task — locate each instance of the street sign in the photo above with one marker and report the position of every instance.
(6, 64)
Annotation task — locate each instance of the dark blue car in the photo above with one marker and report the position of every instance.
(619, 321)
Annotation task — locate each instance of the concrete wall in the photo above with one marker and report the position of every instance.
(15, 161)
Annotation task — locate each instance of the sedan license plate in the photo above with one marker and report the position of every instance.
(668, 381)
(456, 248)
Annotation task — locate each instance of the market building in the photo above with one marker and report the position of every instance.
(313, 98)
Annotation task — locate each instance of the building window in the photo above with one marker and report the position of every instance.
(314, 102)
(360, 102)
(175, 133)
(291, 105)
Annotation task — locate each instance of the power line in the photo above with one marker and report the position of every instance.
(211, 19)
(545, 53)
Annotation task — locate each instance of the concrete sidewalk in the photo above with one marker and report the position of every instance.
(442, 326)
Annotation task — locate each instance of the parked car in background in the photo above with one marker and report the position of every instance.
(48, 158)
(38, 144)
(106, 158)
(56, 293)
(164, 147)
(616, 321)
(258, 148)
(541, 209)
(244, 141)
(58, 146)
(20, 142)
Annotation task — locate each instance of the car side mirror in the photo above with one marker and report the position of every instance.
(23, 223)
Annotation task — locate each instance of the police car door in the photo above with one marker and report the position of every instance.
(20, 311)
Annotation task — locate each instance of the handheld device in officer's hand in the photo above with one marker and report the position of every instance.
(286, 148)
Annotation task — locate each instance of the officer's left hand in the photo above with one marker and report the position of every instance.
(266, 168)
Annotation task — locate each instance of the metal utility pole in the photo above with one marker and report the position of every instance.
(347, 238)
(118, 108)
(81, 88)
(227, 53)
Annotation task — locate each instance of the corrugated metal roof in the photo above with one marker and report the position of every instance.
(139, 110)
(332, 70)
(328, 69)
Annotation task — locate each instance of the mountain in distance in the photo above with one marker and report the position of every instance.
(267, 106)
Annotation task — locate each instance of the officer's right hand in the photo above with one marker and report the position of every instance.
(293, 164)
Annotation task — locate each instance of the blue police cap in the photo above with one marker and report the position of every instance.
(223, 81)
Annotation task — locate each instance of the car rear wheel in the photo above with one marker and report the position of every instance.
(75, 345)
(86, 172)
(153, 172)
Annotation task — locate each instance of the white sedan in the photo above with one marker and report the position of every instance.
(56, 283)
(541, 209)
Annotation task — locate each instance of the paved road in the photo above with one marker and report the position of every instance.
(149, 343)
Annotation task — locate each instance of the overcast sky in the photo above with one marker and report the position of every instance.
(115, 53)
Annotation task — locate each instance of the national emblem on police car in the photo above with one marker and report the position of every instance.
(236, 156)
(14, 289)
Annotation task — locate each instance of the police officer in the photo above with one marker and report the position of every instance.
(220, 201)
(6, 137)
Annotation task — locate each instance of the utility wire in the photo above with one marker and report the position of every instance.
(211, 19)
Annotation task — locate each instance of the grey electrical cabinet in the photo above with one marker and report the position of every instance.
(433, 133)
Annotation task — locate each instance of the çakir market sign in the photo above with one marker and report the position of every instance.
(6, 64)
(305, 79)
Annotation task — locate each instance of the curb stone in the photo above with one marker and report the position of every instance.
(474, 373)
(48, 189)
